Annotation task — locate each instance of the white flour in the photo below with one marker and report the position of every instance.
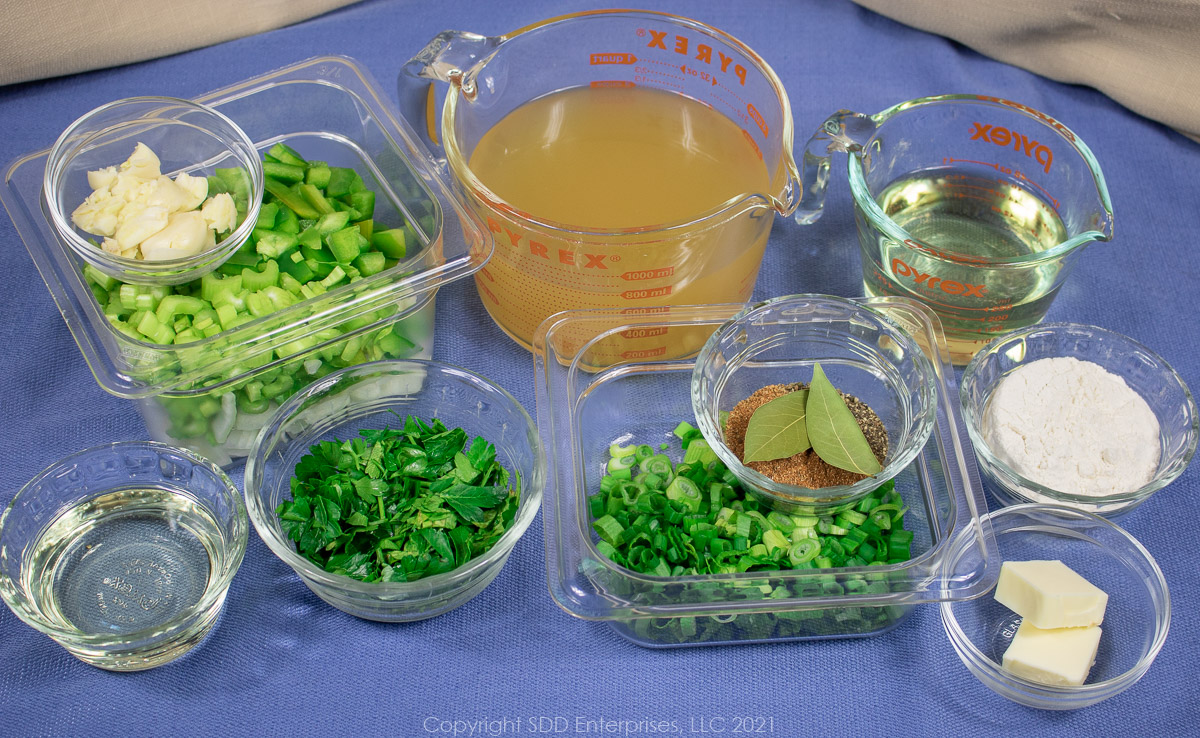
(1073, 427)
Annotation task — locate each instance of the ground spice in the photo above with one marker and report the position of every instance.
(804, 469)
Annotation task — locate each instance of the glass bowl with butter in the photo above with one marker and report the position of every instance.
(1104, 605)
(1075, 415)
(153, 190)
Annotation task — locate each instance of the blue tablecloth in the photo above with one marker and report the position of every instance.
(280, 661)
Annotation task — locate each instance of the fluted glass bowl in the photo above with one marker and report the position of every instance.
(1144, 371)
(123, 553)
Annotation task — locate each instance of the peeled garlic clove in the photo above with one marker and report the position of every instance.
(164, 193)
(137, 223)
(185, 234)
(220, 213)
(195, 189)
(98, 214)
(142, 163)
(127, 187)
(102, 179)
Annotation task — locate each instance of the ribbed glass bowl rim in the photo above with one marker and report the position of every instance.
(1014, 482)
(1056, 696)
(426, 587)
(163, 631)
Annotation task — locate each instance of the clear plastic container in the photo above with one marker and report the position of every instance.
(583, 407)
(328, 109)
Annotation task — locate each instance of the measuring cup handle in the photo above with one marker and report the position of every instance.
(446, 58)
(845, 131)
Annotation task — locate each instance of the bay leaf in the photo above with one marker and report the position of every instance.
(777, 429)
(833, 431)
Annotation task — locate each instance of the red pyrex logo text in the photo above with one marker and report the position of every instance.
(949, 286)
(703, 52)
(562, 256)
(1003, 137)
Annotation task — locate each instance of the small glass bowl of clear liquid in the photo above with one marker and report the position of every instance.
(123, 553)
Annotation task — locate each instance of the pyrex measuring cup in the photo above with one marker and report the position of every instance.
(542, 265)
(974, 205)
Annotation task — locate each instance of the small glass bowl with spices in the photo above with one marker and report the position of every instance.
(153, 190)
(1077, 415)
(813, 400)
(396, 490)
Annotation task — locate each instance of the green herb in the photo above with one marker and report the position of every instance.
(835, 434)
(398, 505)
(778, 429)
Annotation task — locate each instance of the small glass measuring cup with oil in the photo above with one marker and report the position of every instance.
(978, 207)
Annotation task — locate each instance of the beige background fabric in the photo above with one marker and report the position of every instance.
(1145, 54)
(48, 38)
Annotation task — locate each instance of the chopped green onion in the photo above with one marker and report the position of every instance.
(804, 551)
(609, 529)
(694, 517)
(618, 451)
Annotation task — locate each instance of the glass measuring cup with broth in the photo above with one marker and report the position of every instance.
(620, 159)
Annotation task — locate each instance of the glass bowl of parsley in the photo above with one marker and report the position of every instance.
(396, 489)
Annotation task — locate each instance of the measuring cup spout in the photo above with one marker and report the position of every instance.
(447, 58)
(844, 131)
(1102, 216)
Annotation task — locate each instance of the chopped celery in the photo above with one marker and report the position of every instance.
(315, 231)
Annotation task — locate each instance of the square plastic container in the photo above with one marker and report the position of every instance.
(328, 109)
(583, 407)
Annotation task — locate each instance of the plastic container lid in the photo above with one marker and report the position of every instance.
(331, 99)
(584, 407)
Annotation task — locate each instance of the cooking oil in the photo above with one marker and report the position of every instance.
(126, 561)
(628, 161)
(960, 223)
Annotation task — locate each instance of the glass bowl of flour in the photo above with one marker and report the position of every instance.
(1077, 415)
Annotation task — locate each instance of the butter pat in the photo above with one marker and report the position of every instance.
(1049, 594)
(1055, 656)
